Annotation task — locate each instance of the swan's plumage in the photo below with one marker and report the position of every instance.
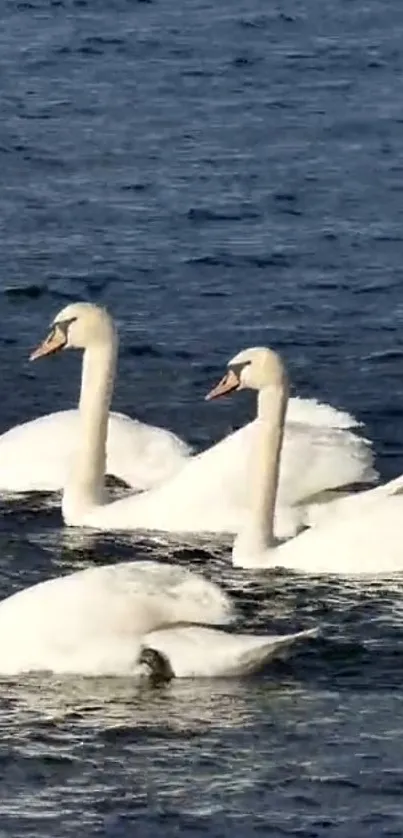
(35, 456)
(366, 541)
(96, 622)
(318, 414)
(316, 458)
(198, 652)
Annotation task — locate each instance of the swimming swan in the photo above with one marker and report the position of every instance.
(363, 536)
(208, 494)
(134, 619)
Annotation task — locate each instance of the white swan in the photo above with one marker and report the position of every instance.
(208, 493)
(129, 619)
(362, 536)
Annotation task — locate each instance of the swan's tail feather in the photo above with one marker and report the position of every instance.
(254, 657)
(198, 652)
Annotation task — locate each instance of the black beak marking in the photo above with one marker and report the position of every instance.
(63, 326)
(237, 368)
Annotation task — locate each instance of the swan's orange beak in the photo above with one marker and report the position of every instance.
(228, 384)
(55, 341)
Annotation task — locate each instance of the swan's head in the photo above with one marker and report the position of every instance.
(254, 369)
(77, 326)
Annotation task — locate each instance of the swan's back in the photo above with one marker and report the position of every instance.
(314, 458)
(319, 458)
(143, 455)
(319, 414)
(36, 455)
(366, 543)
(119, 603)
(319, 453)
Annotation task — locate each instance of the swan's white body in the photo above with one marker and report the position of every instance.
(367, 542)
(97, 621)
(209, 491)
(360, 534)
(36, 455)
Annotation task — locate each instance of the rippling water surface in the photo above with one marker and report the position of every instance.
(220, 175)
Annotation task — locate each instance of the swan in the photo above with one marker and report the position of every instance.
(138, 619)
(208, 494)
(362, 536)
(321, 452)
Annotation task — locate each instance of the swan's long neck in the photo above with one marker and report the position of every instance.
(85, 484)
(257, 535)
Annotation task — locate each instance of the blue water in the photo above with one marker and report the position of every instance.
(220, 175)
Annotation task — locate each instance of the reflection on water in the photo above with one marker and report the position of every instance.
(202, 754)
(191, 706)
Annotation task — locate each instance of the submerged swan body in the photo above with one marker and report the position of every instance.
(209, 491)
(359, 534)
(101, 620)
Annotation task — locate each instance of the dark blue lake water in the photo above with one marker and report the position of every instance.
(220, 175)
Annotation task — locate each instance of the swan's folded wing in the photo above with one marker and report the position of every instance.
(197, 652)
(142, 455)
(366, 542)
(355, 504)
(318, 459)
(35, 456)
(314, 413)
